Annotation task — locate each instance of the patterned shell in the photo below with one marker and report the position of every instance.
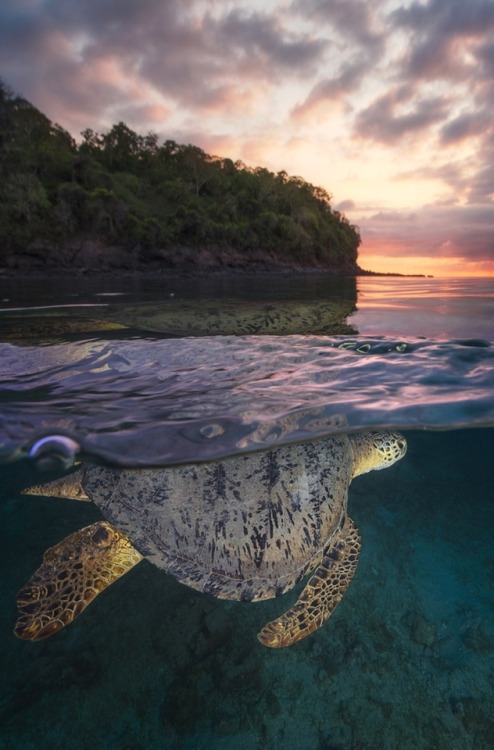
(248, 527)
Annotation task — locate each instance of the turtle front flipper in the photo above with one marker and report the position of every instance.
(322, 594)
(72, 574)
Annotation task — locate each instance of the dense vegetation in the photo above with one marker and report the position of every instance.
(125, 189)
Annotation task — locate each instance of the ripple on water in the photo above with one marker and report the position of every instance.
(152, 402)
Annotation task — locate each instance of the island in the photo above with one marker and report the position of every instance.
(122, 201)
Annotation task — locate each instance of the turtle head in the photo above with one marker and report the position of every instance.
(376, 450)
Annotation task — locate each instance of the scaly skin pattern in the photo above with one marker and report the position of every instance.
(321, 595)
(72, 574)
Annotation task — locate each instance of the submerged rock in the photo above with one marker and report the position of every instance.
(476, 639)
(422, 631)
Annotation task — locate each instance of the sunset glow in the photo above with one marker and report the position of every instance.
(388, 105)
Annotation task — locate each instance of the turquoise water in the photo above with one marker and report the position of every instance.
(406, 660)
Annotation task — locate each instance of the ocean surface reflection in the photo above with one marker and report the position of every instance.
(434, 308)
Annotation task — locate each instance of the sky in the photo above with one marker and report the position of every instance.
(387, 105)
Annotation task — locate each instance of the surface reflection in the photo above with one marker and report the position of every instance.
(443, 308)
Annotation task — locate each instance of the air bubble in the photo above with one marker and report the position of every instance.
(55, 452)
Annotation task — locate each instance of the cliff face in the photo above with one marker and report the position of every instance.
(90, 256)
(121, 200)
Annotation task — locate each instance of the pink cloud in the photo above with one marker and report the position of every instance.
(437, 233)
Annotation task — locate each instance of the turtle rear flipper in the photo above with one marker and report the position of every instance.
(70, 487)
(321, 595)
(72, 574)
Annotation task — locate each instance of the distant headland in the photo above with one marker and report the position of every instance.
(122, 202)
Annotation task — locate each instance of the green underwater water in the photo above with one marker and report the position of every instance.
(406, 661)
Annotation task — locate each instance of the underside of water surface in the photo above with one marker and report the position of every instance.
(148, 402)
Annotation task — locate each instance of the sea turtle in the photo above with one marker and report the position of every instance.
(246, 528)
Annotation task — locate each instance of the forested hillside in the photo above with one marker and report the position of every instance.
(158, 202)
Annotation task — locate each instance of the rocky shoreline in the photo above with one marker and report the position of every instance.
(90, 258)
(94, 257)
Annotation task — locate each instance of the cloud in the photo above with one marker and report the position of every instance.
(454, 17)
(259, 39)
(179, 52)
(444, 39)
(466, 232)
(445, 66)
(482, 186)
(346, 205)
(350, 25)
(351, 19)
(331, 91)
(485, 57)
(466, 125)
(395, 115)
(471, 179)
(219, 63)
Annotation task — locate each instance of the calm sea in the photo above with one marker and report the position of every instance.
(159, 371)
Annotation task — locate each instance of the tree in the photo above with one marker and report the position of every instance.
(123, 187)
